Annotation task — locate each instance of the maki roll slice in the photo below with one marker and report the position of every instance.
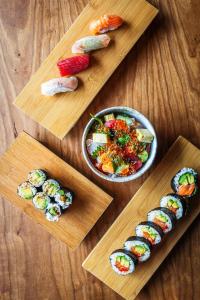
(64, 198)
(139, 246)
(51, 187)
(26, 190)
(150, 231)
(163, 217)
(123, 262)
(37, 177)
(53, 212)
(175, 204)
(185, 182)
(41, 200)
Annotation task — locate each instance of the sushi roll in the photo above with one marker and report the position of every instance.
(64, 198)
(123, 262)
(150, 231)
(163, 217)
(26, 190)
(184, 183)
(37, 177)
(53, 212)
(51, 187)
(41, 200)
(175, 204)
(139, 246)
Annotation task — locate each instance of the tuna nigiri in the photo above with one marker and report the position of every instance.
(90, 43)
(105, 23)
(59, 85)
(73, 65)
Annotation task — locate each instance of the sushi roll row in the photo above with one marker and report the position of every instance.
(160, 221)
(46, 194)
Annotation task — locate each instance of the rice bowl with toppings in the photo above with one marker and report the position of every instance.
(119, 144)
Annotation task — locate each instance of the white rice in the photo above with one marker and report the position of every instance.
(49, 216)
(129, 244)
(139, 232)
(163, 203)
(113, 261)
(152, 215)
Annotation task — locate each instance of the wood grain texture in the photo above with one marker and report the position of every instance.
(90, 202)
(160, 78)
(60, 112)
(181, 154)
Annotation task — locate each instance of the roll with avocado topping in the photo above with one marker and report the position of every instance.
(64, 198)
(139, 246)
(53, 212)
(51, 187)
(162, 217)
(123, 262)
(150, 231)
(37, 177)
(26, 190)
(175, 203)
(41, 201)
(185, 182)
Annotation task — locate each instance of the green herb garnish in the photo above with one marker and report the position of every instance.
(123, 140)
(95, 153)
(97, 119)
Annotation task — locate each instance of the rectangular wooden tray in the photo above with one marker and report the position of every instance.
(181, 154)
(58, 114)
(90, 201)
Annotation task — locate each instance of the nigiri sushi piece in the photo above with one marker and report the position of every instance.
(105, 23)
(90, 43)
(73, 65)
(59, 85)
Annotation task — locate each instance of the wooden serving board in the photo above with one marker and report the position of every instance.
(58, 114)
(181, 154)
(90, 201)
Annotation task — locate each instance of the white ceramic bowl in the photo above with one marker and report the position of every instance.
(139, 117)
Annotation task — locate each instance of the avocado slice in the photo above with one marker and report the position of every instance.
(173, 203)
(143, 156)
(186, 178)
(27, 193)
(121, 168)
(140, 249)
(129, 121)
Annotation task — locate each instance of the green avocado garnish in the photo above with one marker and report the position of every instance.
(143, 156)
(172, 203)
(27, 193)
(186, 178)
(162, 218)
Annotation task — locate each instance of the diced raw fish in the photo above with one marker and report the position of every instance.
(90, 43)
(59, 85)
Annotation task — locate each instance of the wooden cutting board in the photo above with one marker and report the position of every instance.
(90, 201)
(181, 154)
(58, 114)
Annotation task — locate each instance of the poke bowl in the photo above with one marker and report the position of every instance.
(119, 144)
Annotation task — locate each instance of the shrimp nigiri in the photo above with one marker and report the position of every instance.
(59, 85)
(90, 43)
(105, 23)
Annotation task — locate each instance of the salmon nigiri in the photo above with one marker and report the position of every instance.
(105, 23)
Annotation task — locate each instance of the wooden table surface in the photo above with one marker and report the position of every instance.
(160, 78)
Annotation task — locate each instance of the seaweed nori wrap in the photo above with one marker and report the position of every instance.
(150, 231)
(185, 182)
(123, 262)
(139, 246)
(175, 203)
